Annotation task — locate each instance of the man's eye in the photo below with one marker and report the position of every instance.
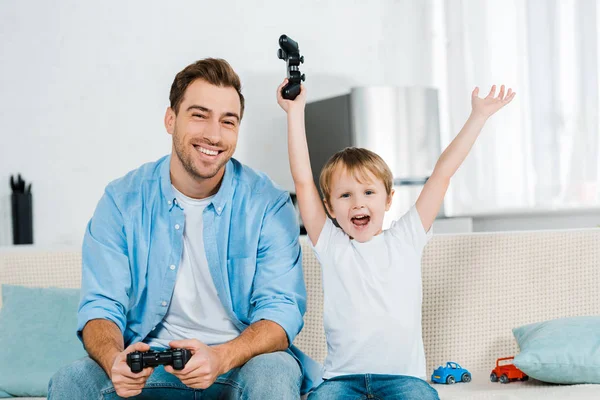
(198, 115)
(229, 123)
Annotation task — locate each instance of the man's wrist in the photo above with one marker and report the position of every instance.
(109, 361)
(224, 353)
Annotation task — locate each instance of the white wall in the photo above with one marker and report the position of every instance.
(84, 85)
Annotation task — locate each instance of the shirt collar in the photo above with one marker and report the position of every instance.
(220, 199)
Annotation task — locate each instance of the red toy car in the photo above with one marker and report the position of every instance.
(507, 372)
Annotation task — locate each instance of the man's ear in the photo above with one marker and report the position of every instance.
(170, 120)
(328, 208)
(389, 200)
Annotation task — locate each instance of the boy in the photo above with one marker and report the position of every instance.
(372, 278)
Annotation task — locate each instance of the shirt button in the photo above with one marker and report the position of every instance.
(169, 202)
(172, 267)
(177, 226)
(154, 328)
(164, 304)
(219, 209)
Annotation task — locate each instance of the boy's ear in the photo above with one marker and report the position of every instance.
(329, 210)
(389, 200)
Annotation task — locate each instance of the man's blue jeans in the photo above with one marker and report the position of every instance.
(371, 386)
(267, 376)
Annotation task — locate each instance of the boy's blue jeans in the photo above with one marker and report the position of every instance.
(267, 376)
(372, 386)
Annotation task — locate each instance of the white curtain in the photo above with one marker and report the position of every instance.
(543, 150)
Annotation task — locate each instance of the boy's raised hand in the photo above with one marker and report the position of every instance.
(287, 105)
(431, 197)
(491, 103)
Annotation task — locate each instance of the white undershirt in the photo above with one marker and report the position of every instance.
(372, 300)
(195, 311)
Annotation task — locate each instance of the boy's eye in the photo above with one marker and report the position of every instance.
(345, 195)
(369, 192)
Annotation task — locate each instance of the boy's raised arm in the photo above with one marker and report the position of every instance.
(431, 197)
(311, 207)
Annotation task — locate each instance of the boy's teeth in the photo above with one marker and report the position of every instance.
(361, 220)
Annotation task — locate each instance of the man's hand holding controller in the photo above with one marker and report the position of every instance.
(126, 382)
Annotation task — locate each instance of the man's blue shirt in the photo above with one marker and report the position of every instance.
(250, 239)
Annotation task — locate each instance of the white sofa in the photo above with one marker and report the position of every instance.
(476, 288)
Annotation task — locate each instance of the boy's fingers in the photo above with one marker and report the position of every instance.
(280, 88)
(475, 92)
(492, 92)
(501, 94)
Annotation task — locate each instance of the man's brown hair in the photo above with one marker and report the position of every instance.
(215, 71)
(357, 161)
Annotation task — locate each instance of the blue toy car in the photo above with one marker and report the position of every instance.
(450, 374)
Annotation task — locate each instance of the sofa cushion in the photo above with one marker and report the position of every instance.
(565, 350)
(37, 337)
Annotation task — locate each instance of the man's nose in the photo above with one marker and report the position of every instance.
(212, 131)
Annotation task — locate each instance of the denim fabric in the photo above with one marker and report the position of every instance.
(372, 386)
(267, 376)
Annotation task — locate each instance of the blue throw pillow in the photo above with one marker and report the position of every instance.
(37, 337)
(565, 350)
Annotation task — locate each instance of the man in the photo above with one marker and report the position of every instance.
(193, 251)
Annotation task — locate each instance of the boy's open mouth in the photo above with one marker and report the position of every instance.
(360, 220)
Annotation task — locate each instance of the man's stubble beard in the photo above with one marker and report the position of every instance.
(188, 163)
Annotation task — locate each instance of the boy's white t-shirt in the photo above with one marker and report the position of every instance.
(372, 299)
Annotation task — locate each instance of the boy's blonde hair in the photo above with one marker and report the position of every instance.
(357, 161)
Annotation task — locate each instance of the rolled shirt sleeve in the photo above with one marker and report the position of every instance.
(279, 293)
(106, 277)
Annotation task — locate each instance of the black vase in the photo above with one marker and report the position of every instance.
(22, 218)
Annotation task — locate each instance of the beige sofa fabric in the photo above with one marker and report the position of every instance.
(476, 288)
(28, 266)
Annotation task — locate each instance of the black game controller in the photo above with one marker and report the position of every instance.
(290, 53)
(177, 358)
